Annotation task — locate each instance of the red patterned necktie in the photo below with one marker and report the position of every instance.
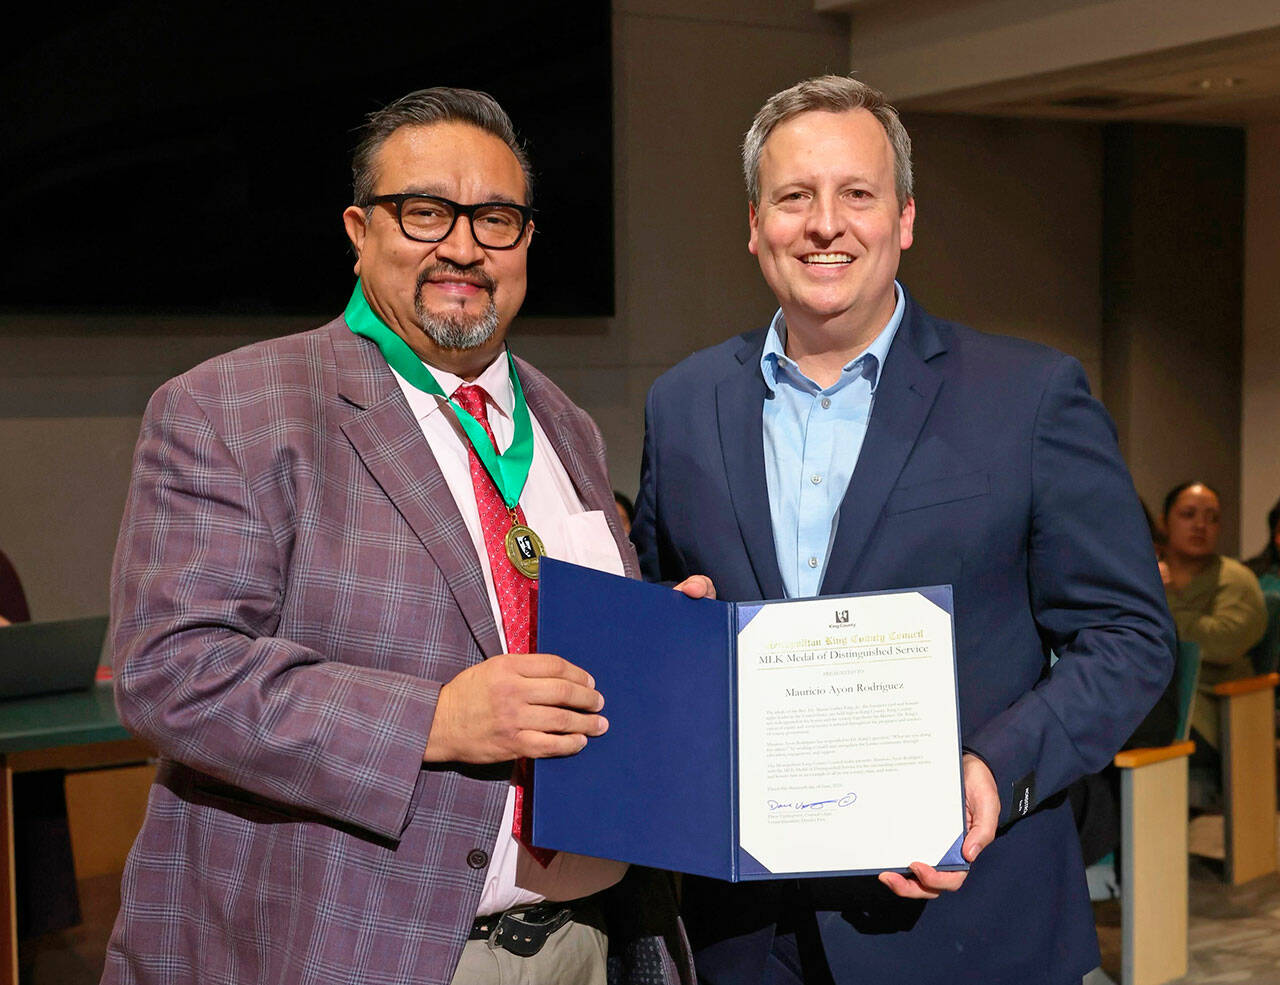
(517, 595)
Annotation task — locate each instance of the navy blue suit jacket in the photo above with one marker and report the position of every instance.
(987, 465)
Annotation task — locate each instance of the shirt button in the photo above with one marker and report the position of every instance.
(816, 479)
(826, 403)
(813, 562)
(477, 859)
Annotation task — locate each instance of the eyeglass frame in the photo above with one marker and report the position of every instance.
(399, 198)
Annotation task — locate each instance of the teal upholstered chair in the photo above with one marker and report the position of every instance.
(1186, 675)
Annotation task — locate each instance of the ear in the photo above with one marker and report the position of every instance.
(353, 219)
(906, 224)
(753, 222)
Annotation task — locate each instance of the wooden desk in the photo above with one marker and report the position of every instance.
(73, 731)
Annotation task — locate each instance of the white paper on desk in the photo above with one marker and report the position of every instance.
(848, 741)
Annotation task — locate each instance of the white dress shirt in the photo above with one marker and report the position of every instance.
(569, 533)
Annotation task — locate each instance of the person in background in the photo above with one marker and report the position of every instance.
(1215, 600)
(1266, 565)
(1095, 798)
(47, 898)
(13, 602)
(1157, 536)
(626, 510)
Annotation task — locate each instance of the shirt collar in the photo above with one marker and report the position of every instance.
(495, 381)
(873, 356)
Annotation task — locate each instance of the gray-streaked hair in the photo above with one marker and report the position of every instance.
(832, 94)
(423, 108)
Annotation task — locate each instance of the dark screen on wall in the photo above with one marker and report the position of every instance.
(196, 159)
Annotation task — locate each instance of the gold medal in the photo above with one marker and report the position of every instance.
(524, 548)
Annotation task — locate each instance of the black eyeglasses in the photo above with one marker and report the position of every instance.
(429, 219)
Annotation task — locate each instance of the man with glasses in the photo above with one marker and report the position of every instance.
(326, 537)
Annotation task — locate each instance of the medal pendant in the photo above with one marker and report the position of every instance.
(524, 549)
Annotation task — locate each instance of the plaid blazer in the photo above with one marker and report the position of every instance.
(293, 583)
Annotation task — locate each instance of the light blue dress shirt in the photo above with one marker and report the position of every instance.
(812, 439)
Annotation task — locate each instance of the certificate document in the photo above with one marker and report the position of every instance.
(848, 752)
(765, 740)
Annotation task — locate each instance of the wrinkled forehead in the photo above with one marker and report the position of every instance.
(453, 160)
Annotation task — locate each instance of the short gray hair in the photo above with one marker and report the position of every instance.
(832, 94)
(423, 108)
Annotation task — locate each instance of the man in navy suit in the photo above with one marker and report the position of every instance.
(859, 444)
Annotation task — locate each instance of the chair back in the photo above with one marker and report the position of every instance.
(1186, 674)
(1266, 655)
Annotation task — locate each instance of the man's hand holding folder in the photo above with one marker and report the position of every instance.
(532, 705)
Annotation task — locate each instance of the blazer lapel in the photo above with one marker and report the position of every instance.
(904, 396)
(740, 416)
(391, 445)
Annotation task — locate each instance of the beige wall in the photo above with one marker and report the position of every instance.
(1008, 229)
(1260, 419)
(1172, 318)
(934, 46)
(72, 391)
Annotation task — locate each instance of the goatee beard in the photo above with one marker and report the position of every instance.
(458, 330)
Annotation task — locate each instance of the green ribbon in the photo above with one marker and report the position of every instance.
(510, 470)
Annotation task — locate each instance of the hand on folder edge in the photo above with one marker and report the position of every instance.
(697, 587)
(982, 812)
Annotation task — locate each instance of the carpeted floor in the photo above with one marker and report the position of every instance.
(1234, 932)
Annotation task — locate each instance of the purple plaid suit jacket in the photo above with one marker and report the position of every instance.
(292, 585)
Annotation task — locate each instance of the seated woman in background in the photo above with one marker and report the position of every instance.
(47, 898)
(13, 603)
(1267, 564)
(1215, 600)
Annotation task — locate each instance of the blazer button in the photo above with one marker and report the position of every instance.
(477, 859)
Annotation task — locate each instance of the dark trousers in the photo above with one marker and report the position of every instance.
(45, 871)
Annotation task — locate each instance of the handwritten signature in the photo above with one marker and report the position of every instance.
(848, 800)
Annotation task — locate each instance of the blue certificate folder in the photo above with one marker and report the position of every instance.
(660, 787)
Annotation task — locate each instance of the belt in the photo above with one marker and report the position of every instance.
(522, 931)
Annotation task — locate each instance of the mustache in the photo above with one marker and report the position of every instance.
(476, 275)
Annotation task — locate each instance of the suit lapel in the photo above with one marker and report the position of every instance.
(740, 416)
(391, 445)
(904, 396)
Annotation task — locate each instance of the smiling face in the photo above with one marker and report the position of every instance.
(1193, 523)
(452, 301)
(828, 230)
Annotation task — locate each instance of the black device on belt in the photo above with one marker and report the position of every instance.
(523, 931)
